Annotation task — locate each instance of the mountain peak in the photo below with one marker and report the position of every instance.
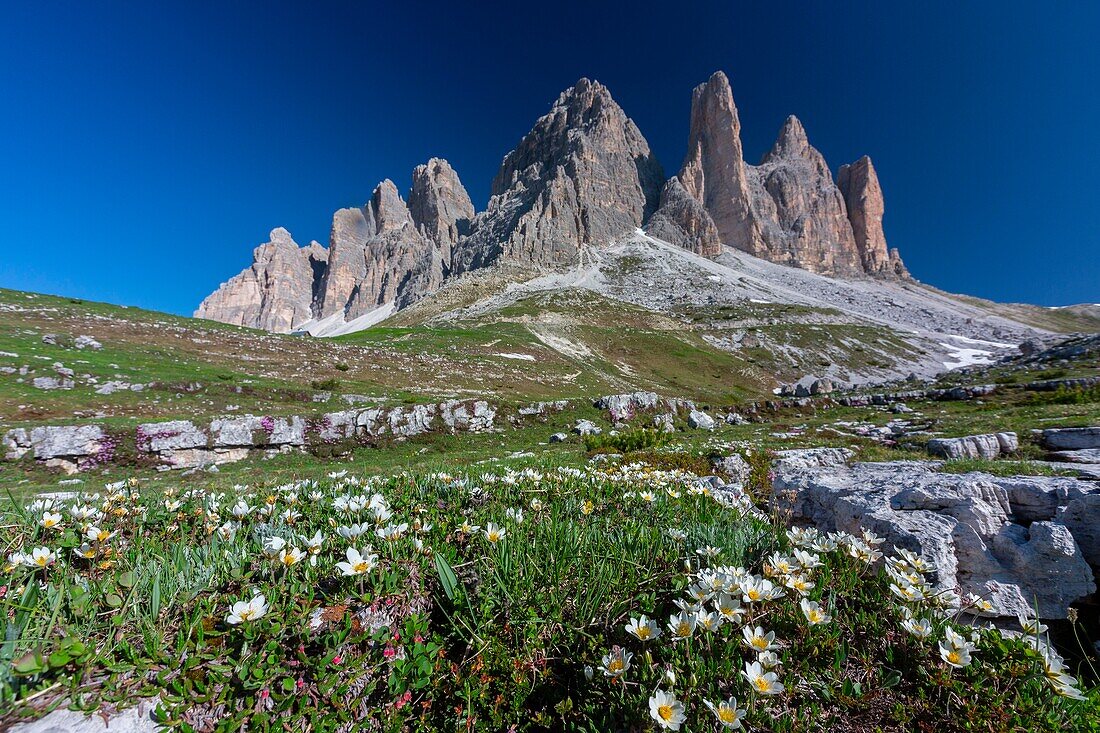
(792, 141)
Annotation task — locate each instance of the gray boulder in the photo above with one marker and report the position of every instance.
(1086, 455)
(169, 436)
(87, 342)
(734, 466)
(1071, 438)
(972, 446)
(622, 407)
(1006, 540)
(66, 441)
(473, 417)
(558, 438)
(586, 427)
(700, 420)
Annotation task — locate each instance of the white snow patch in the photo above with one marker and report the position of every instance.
(714, 278)
(522, 357)
(335, 325)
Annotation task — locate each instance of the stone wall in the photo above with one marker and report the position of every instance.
(185, 444)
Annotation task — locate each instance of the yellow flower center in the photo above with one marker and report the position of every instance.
(761, 684)
(247, 614)
(665, 712)
(41, 562)
(683, 629)
(615, 666)
(953, 657)
(361, 567)
(494, 536)
(753, 594)
(643, 632)
(759, 642)
(727, 715)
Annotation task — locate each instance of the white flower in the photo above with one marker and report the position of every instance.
(955, 656)
(242, 611)
(352, 531)
(768, 659)
(616, 663)
(241, 509)
(727, 712)
(50, 520)
(920, 628)
(273, 545)
(757, 640)
(709, 620)
(1031, 626)
(40, 557)
(290, 557)
(493, 533)
(666, 710)
(95, 534)
(358, 562)
(682, 625)
(765, 683)
(813, 612)
(643, 628)
(729, 608)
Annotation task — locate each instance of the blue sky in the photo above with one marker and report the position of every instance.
(146, 148)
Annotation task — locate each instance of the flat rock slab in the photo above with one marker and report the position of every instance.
(1087, 455)
(1059, 439)
(137, 719)
(1017, 541)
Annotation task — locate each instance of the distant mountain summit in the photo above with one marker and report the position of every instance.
(583, 176)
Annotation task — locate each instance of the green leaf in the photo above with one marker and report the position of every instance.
(447, 577)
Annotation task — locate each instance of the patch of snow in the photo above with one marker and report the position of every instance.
(335, 325)
(522, 357)
(959, 357)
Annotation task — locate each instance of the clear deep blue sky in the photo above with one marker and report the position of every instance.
(146, 148)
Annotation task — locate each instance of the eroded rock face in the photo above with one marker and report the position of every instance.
(714, 171)
(858, 183)
(1018, 542)
(583, 175)
(802, 213)
(275, 293)
(681, 220)
(785, 210)
(440, 206)
(377, 256)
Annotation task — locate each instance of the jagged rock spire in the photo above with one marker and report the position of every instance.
(275, 292)
(858, 183)
(583, 175)
(440, 206)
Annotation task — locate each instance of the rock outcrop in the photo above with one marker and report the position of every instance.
(276, 293)
(801, 211)
(714, 171)
(682, 220)
(583, 175)
(1017, 542)
(862, 193)
(786, 210)
(440, 206)
(377, 256)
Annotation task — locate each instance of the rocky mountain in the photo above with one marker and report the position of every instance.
(440, 206)
(859, 185)
(581, 179)
(377, 256)
(276, 293)
(583, 175)
(786, 210)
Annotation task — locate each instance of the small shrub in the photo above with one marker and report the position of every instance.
(625, 442)
(341, 366)
(325, 385)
